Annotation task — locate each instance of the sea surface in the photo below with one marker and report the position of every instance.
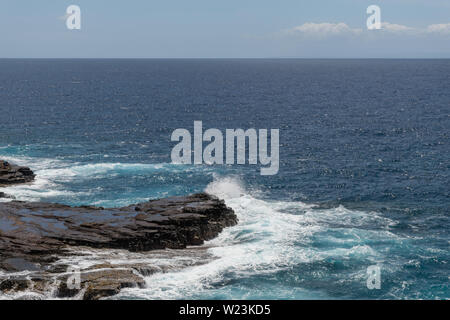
(364, 167)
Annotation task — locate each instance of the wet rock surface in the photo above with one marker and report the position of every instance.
(40, 229)
(6, 196)
(34, 236)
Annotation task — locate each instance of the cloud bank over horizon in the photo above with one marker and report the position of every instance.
(342, 40)
(323, 29)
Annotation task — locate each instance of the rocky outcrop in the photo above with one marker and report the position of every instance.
(101, 281)
(6, 196)
(94, 283)
(28, 228)
(13, 174)
(35, 236)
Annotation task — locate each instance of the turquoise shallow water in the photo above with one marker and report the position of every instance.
(363, 180)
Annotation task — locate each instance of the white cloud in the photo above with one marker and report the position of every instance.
(443, 28)
(397, 28)
(327, 29)
(323, 29)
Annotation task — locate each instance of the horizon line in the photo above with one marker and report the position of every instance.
(226, 58)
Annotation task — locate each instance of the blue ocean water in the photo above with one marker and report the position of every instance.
(363, 179)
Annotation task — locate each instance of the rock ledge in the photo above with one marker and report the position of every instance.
(34, 235)
(13, 174)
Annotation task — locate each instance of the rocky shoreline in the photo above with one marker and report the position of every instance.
(35, 236)
(13, 174)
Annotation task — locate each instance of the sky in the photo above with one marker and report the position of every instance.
(225, 29)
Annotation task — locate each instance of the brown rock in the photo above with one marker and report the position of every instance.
(13, 174)
(34, 235)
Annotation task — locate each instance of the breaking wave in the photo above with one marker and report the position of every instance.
(55, 179)
(271, 237)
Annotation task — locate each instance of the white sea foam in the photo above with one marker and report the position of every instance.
(271, 236)
(42, 187)
(52, 174)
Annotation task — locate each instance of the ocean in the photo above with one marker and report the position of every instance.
(363, 179)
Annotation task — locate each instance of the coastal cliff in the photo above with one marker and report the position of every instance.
(34, 235)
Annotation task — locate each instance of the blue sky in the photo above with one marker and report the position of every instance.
(225, 29)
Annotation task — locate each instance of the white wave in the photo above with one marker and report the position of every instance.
(40, 188)
(270, 236)
(35, 163)
(101, 170)
(52, 174)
